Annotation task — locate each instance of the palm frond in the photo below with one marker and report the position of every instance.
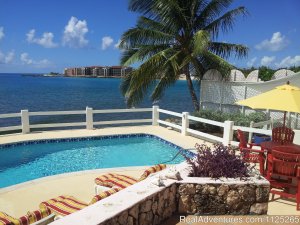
(225, 22)
(172, 14)
(167, 80)
(143, 36)
(141, 6)
(136, 84)
(201, 41)
(211, 11)
(225, 50)
(143, 52)
(212, 61)
(197, 67)
(154, 25)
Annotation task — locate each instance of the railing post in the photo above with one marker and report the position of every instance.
(295, 124)
(250, 133)
(185, 123)
(228, 132)
(25, 121)
(288, 116)
(89, 119)
(155, 115)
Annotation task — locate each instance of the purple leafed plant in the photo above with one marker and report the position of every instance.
(219, 161)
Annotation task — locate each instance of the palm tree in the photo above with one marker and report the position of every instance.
(175, 37)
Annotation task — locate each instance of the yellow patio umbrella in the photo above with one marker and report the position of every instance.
(284, 98)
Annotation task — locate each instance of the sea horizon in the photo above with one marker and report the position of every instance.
(71, 93)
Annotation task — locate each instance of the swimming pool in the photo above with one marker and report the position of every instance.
(30, 160)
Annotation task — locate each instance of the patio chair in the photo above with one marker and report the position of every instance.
(38, 217)
(283, 135)
(122, 181)
(243, 143)
(64, 205)
(284, 175)
(249, 154)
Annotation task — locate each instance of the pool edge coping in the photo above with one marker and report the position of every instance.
(63, 175)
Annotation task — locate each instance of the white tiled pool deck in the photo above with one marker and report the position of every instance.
(19, 199)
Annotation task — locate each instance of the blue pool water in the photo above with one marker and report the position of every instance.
(35, 160)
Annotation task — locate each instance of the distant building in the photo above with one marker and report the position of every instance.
(102, 71)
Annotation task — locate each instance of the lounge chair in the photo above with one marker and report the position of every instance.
(110, 180)
(65, 205)
(38, 217)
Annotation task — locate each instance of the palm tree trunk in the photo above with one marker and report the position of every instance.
(192, 90)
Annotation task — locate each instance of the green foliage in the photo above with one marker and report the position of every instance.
(172, 37)
(265, 73)
(296, 69)
(238, 118)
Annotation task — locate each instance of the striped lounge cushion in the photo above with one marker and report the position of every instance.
(63, 205)
(6, 219)
(24, 220)
(119, 180)
(104, 194)
(38, 215)
(152, 169)
(99, 180)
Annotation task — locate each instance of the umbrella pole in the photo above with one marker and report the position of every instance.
(284, 117)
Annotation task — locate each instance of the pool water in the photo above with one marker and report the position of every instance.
(35, 160)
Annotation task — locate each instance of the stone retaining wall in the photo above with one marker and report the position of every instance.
(152, 210)
(214, 199)
(220, 199)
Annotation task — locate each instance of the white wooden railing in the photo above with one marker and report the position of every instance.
(227, 126)
(89, 123)
(267, 125)
(185, 121)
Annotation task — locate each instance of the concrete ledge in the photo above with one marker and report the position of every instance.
(139, 204)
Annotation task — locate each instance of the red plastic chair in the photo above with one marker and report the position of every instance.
(284, 165)
(292, 149)
(243, 143)
(250, 155)
(283, 135)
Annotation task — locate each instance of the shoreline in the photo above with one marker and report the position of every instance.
(84, 76)
(91, 76)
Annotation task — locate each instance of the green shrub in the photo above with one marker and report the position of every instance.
(211, 115)
(238, 118)
(265, 73)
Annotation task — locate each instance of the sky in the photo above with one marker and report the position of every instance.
(50, 35)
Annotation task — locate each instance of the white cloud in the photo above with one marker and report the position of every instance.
(106, 42)
(8, 58)
(25, 59)
(30, 36)
(289, 61)
(251, 62)
(74, 33)
(46, 40)
(1, 33)
(276, 43)
(266, 60)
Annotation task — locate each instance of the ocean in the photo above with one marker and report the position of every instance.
(65, 93)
